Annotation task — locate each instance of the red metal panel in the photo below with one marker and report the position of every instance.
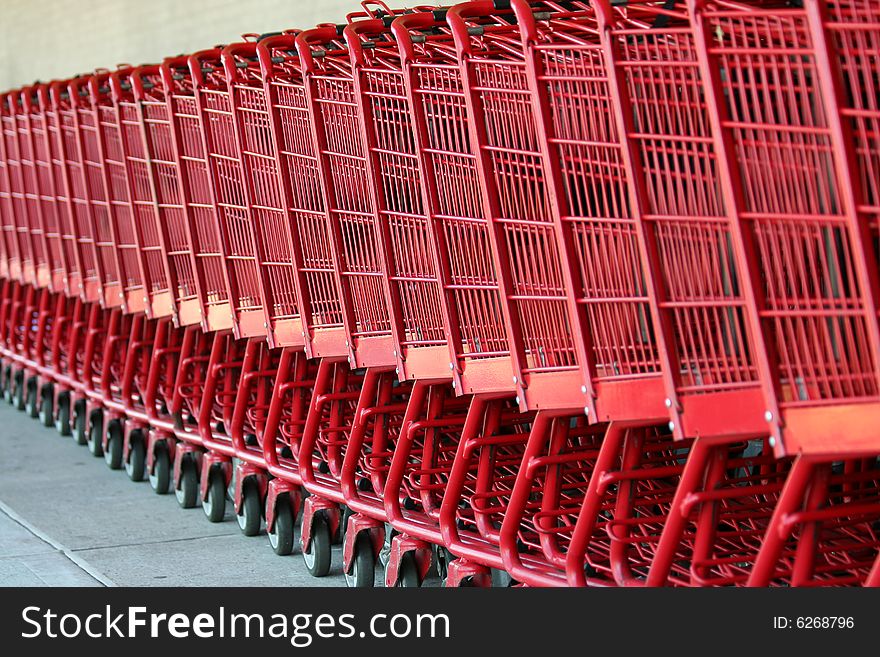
(36, 272)
(168, 259)
(297, 165)
(589, 197)
(206, 300)
(298, 162)
(16, 225)
(271, 221)
(515, 202)
(153, 295)
(416, 303)
(80, 234)
(6, 206)
(118, 186)
(227, 179)
(87, 120)
(704, 313)
(355, 250)
(793, 187)
(453, 204)
(44, 148)
(70, 251)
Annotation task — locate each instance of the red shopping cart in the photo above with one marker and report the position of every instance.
(710, 546)
(415, 513)
(33, 343)
(54, 308)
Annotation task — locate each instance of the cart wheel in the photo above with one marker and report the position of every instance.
(4, 381)
(47, 415)
(501, 579)
(18, 392)
(347, 513)
(113, 453)
(160, 476)
(441, 558)
(137, 459)
(30, 399)
(250, 518)
(408, 573)
(317, 554)
(94, 439)
(281, 534)
(79, 430)
(362, 574)
(187, 493)
(9, 384)
(214, 505)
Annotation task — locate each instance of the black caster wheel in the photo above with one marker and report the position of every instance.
(160, 475)
(5, 377)
(31, 397)
(8, 384)
(96, 430)
(408, 573)
(136, 465)
(214, 505)
(18, 392)
(47, 412)
(113, 452)
(317, 553)
(187, 493)
(281, 534)
(251, 517)
(79, 429)
(362, 573)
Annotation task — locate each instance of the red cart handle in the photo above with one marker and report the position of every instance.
(403, 27)
(285, 41)
(195, 63)
(138, 85)
(370, 13)
(304, 40)
(169, 66)
(459, 13)
(246, 49)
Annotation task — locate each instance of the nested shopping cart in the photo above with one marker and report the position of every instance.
(355, 246)
(154, 194)
(30, 310)
(420, 350)
(257, 247)
(450, 204)
(667, 152)
(852, 31)
(52, 308)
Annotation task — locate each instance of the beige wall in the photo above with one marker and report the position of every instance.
(45, 39)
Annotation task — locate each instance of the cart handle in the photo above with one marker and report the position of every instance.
(353, 32)
(321, 34)
(195, 63)
(75, 85)
(284, 41)
(459, 13)
(368, 12)
(246, 49)
(137, 79)
(167, 70)
(41, 91)
(402, 26)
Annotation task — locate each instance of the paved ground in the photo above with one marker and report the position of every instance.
(66, 520)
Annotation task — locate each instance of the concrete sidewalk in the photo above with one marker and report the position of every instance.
(66, 520)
